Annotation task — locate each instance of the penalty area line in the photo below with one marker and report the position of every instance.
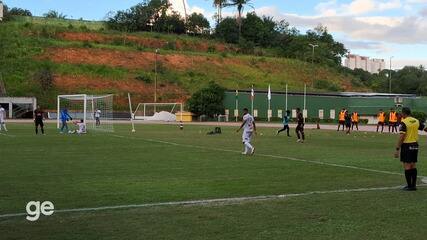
(223, 201)
(7, 135)
(268, 156)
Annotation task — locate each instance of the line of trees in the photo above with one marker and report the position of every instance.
(158, 16)
(410, 80)
(249, 32)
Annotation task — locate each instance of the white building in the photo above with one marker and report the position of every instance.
(1, 11)
(370, 65)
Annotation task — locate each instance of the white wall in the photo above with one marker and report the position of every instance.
(1, 11)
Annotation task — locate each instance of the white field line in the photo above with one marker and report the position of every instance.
(267, 155)
(215, 201)
(7, 135)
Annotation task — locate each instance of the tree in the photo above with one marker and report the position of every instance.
(228, 30)
(19, 12)
(261, 31)
(240, 4)
(198, 24)
(147, 16)
(219, 4)
(54, 14)
(207, 101)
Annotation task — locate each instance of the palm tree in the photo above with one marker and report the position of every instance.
(219, 4)
(185, 10)
(240, 4)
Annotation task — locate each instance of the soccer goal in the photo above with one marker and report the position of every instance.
(95, 111)
(158, 112)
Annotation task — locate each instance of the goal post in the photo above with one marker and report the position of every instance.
(166, 112)
(96, 111)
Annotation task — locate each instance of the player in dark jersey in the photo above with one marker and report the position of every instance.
(347, 122)
(300, 126)
(38, 120)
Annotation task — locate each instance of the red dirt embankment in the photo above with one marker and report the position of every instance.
(114, 58)
(130, 59)
(199, 46)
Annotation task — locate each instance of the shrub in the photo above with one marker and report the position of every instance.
(323, 84)
(54, 14)
(45, 77)
(145, 78)
(207, 101)
(87, 44)
(211, 49)
(421, 116)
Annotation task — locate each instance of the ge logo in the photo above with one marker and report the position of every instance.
(35, 208)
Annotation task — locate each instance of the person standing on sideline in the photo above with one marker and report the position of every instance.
(407, 147)
(341, 119)
(64, 118)
(392, 121)
(355, 120)
(38, 120)
(249, 128)
(381, 120)
(300, 126)
(347, 122)
(2, 119)
(286, 118)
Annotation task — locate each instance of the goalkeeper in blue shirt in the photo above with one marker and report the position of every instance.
(286, 118)
(64, 118)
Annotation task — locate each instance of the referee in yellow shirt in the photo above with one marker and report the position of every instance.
(407, 147)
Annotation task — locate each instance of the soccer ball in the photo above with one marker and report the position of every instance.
(133, 130)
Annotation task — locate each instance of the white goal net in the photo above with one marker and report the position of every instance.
(95, 111)
(166, 112)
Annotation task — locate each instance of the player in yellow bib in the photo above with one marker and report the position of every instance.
(407, 148)
(381, 120)
(392, 121)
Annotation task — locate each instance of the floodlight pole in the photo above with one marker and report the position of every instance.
(389, 76)
(155, 76)
(312, 61)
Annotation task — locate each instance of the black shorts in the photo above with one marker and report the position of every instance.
(341, 122)
(300, 128)
(39, 122)
(409, 153)
(381, 123)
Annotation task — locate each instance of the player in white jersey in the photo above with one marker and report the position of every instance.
(249, 128)
(81, 127)
(2, 117)
(97, 117)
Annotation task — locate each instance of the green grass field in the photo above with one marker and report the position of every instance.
(160, 163)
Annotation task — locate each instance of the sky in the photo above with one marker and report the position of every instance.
(373, 28)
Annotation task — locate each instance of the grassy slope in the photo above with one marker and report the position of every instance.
(28, 38)
(86, 171)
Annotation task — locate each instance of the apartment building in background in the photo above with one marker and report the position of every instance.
(370, 65)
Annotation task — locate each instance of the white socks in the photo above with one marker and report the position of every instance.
(248, 147)
(3, 125)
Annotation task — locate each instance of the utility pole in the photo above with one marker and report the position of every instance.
(389, 76)
(312, 62)
(155, 75)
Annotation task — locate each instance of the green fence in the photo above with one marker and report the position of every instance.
(365, 104)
